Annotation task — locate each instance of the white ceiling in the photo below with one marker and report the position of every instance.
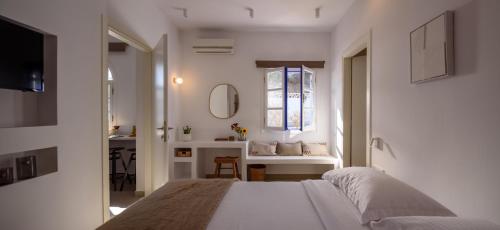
(281, 15)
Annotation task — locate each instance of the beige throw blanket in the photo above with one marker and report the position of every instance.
(187, 204)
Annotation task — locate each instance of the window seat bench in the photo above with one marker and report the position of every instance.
(252, 159)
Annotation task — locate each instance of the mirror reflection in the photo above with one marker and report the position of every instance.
(224, 101)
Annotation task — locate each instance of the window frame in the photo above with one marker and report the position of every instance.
(284, 108)
(286, 128)
(313, 91)
(266, 90)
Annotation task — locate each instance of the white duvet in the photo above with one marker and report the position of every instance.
(306, 205)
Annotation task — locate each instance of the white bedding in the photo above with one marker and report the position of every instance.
(311, 204)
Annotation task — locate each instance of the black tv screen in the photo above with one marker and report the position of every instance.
(21, 57)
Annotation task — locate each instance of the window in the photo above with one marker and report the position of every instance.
(289, 99)
(110, 99)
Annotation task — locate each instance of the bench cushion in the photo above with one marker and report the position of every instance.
(277, 159)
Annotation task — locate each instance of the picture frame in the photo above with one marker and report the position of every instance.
(432, 49)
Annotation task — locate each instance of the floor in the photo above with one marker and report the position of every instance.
(120, 200)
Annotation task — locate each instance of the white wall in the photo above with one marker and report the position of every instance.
(203, 72)
(123, 67)
(70, 198)
(442, 136)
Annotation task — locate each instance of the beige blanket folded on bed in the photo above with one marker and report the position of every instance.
(187, 204)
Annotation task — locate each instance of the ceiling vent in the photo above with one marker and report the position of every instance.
(213, 46)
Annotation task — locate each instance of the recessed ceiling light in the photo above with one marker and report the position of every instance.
(317, 11)
(250, 11)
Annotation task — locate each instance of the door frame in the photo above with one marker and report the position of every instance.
(107, 30)
(364, 42)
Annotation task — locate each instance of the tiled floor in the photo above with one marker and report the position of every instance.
(119, 200)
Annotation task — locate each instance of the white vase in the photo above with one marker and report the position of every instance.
(186, 137)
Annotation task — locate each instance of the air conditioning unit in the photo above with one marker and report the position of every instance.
(213, 46)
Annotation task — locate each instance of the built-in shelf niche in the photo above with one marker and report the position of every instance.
(21, 166)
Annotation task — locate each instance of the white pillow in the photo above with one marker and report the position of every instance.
(264, 149)
(432, 223)
(377, 195)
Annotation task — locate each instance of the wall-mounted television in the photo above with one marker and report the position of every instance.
(28, 75)
(22, 51)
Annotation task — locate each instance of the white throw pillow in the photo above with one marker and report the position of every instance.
(315, 149)
(432, 223)
(264, 149)
(377, 195)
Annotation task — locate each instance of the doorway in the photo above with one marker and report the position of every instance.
(124, 92)
(126, 120)
(357, 104)
(358, 109)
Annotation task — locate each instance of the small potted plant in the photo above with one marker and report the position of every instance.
(186, 133)
(242, 132)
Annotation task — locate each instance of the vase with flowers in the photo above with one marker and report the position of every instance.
(241, 131)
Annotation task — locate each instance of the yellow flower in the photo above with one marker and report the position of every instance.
(244, 130)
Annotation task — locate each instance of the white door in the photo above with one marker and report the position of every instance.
(160, 104)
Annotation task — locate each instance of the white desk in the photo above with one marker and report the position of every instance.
(193, 160)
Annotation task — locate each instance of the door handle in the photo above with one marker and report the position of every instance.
(164, 134)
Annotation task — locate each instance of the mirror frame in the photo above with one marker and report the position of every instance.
(210, 99)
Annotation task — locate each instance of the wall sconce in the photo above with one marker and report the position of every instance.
(178, 80)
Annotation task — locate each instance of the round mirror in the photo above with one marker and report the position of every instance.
(224, 101)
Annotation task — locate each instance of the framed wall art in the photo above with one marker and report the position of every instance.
(431, 49)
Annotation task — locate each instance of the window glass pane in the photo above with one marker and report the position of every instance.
(110, 110)
(308, 99)
(110, 75)
(275, 99)
(274, 80)
(293, 100)
(275, 118)
(308, 117)
(308, 80)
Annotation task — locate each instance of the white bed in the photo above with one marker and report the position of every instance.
(364, 197)
(311, 204)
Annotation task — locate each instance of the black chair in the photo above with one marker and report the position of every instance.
(129, 176)
(115, 154)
